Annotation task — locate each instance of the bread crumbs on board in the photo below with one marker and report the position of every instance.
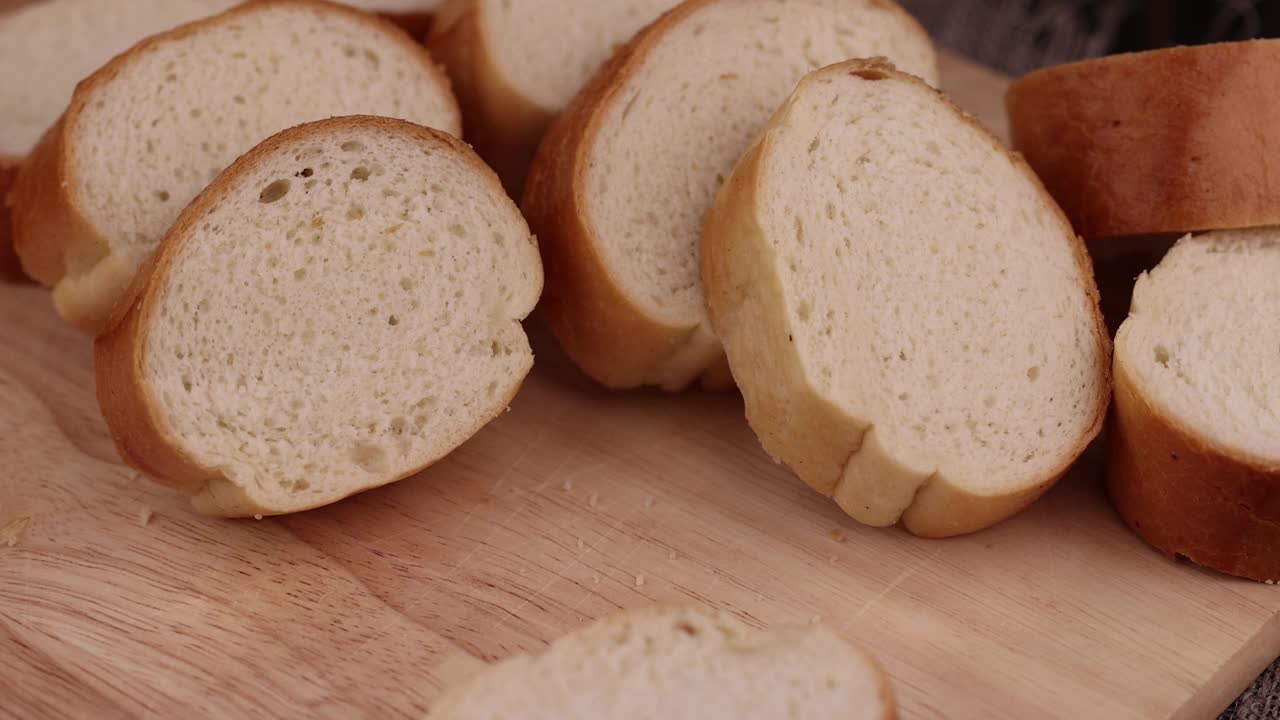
(14, 529)
(639, 581)
(144, 515)
(837, 535)
(594, 500)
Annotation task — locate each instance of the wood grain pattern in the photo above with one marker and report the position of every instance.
(574, 505)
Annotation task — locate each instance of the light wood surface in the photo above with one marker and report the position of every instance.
(576, 504)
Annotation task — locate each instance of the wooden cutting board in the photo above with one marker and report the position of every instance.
(576, 504)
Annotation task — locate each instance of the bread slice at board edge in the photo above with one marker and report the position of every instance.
(912, 323)
(679, 664)
(109, 178)
(51, 45)
(512, 72)
(337, 311)
(1165, 141)
(620, 185)
(1194, 445)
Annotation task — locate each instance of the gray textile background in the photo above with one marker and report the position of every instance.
(1017, 36)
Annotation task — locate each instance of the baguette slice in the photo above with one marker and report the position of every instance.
(620, 185)
(912, 322)
(677, 664)
(150, 129)
(337, 311)
(515, 66)
(1167, 141)
(49, 46)
(1194, 459)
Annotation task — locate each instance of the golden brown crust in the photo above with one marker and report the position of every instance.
(417, 24)
(501, 123)
(132, 414)
(58, 245)
(794, 420)
(1165, 141)
(1186, 496)
(10, 268)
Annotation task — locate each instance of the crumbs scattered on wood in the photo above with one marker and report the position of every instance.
(144, 515)
(648, 501)
(567, 485)
(672, 555)
(837, 535)
(594, 500)
(10, 533)
(595, 579)
(639, 581)
(257, 517)
(582, 545)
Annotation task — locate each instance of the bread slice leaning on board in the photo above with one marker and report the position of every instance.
(912, 322)
(151, 128)
(513, 76)
(620, 185)
(1166, 141)
(49, 46)
(679, 664)
(338, 310)
(1194, 459)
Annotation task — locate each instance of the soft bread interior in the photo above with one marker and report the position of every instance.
(344, 314)
(47, 47)
(929, 286)
(689, 110)
(549, 49)
(154, 134)
(679, 664)
(1202, 337)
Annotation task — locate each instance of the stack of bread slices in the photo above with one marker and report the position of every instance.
(303, 283)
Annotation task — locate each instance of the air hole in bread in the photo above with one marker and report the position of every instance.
(355, 212)
(162, 195)
(1162, 355)
(361, 173)
(306, 172)
(274, 191)
(1033, 373)
(393, 321)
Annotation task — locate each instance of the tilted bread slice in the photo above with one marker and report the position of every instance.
(515, 66)
(337, 311)
(620, 185)
(151, 128)
(49, 46)
(1194, 452)
(912, 322)
(678, 664)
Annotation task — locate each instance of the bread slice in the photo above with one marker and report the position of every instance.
(515, 66)
(1166, 141)
(1194, 459)
(413, 16)
(49, 46)
(620, 185)
(913, 325)
(337, 311)
(151, 128)
(679, 664)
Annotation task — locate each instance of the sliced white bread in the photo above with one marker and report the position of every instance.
(46, 48)
(912, 322)
(515, 66)
(413, 16)
(679, 664)
(150, 129)
(621, 183)
(1194, 458)
(337, 311)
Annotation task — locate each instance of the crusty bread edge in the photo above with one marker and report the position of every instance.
(793, 420)
(57, 244)
(502, 123)
(610, 626)
(1186, 495)
(140, 434)
(1163, 141)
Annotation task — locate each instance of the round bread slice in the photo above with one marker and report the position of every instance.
(1167, 141)
(912, 322)
(337, 311)
(621, 183)
(515, 66)
(679, 664)
(151, 128)
(48, 47)
(1194, 450)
